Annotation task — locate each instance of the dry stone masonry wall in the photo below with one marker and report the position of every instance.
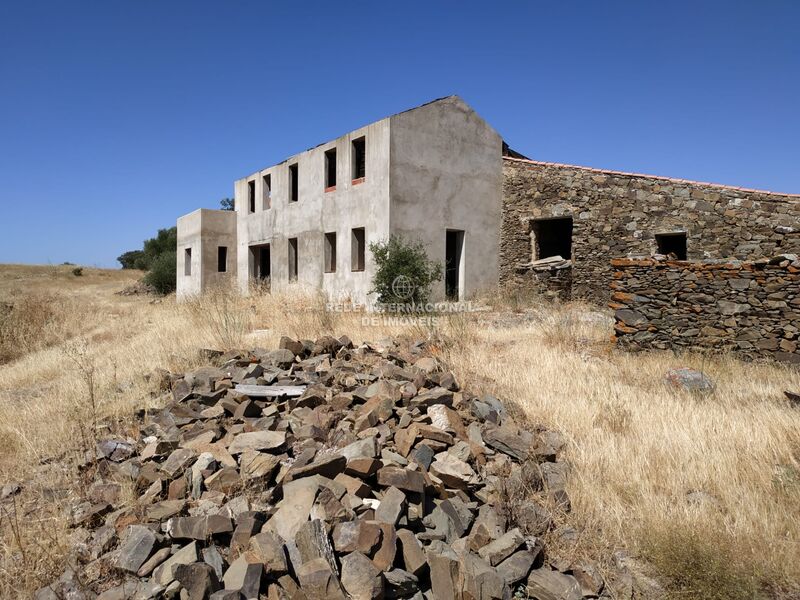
(618, 215)
(751, 308)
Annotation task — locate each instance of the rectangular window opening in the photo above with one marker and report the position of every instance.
(222, 259)
(187, 262)
(454, 256)
(359, 159)
(267, 191)
(330, 170)
(293, 188)
(672, 244)
(292, 259)
(251, 196)
(357, 249)
(551, 238)
(330, 252)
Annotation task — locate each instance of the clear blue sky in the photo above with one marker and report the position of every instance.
(118, 117)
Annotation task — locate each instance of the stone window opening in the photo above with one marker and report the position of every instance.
(359, 160)
(187, 262)
(292, 259)
(330, 170)
(330, 252)
(293, 183)
(551, 238)
(251, 196)
(672, 243)
(222, 259)
(357, 249)
(267, 191)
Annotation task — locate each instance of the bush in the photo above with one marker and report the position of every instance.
(77, 271)
(404, 272)
(162, 273)
(702, 563)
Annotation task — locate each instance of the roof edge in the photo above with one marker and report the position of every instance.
(659, 177)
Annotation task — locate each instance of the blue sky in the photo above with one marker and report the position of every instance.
(118, 117)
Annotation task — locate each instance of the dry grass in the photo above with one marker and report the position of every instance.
(636, 447)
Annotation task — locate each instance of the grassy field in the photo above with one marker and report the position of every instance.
(72, 353)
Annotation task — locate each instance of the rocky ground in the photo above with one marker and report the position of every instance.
(323, 470)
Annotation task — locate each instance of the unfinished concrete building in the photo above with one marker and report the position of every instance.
(431, 174)
(441, 175)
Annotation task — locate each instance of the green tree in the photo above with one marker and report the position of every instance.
(404, 272)
(227, 204)
(128, 259)
(162, 273)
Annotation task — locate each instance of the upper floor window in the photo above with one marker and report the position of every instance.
(330, 170)
(359, 159)
(293, 187)
(251, 196)
(267, 191)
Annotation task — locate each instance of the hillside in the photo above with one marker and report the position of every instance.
(703, 488)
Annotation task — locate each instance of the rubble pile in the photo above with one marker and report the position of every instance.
(322, 470)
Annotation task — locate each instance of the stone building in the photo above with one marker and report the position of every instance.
(440, 174)
(590, 216)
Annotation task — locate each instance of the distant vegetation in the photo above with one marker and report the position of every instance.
(227, 204)
(157, 257)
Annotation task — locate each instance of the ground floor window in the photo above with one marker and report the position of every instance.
(552, 237)
(672, 243)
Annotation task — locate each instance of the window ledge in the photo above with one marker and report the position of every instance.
(359, 180)
(331, 188)
(357, 270)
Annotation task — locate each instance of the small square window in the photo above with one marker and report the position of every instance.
(672, 243)
(552, 237)
(330, 252)
(357, 249)
(222, 259)
(330, 170)
(293, 183)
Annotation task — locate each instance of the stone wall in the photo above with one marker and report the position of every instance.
(618, 215)
(751, 308)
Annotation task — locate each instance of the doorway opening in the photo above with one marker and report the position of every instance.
(262, 264)
(454, 265)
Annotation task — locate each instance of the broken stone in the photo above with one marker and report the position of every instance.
(198, 580)
(136, 548)
(412, 481)
(391, 507)
(361, 579)
(545, 584)
(503, 547)
(257, 440)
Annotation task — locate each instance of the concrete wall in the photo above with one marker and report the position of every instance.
(204, 231)
(750, 308)
(351, 205)
(618, 214)
(445, 166)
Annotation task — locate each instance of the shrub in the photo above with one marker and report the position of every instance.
(702, 563)
(162, 273)
(77, 271)
(404, 272)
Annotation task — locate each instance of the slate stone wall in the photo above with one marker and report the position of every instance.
(751, 308)
(617, 215)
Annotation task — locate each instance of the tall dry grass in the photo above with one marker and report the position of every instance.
(637, 449)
